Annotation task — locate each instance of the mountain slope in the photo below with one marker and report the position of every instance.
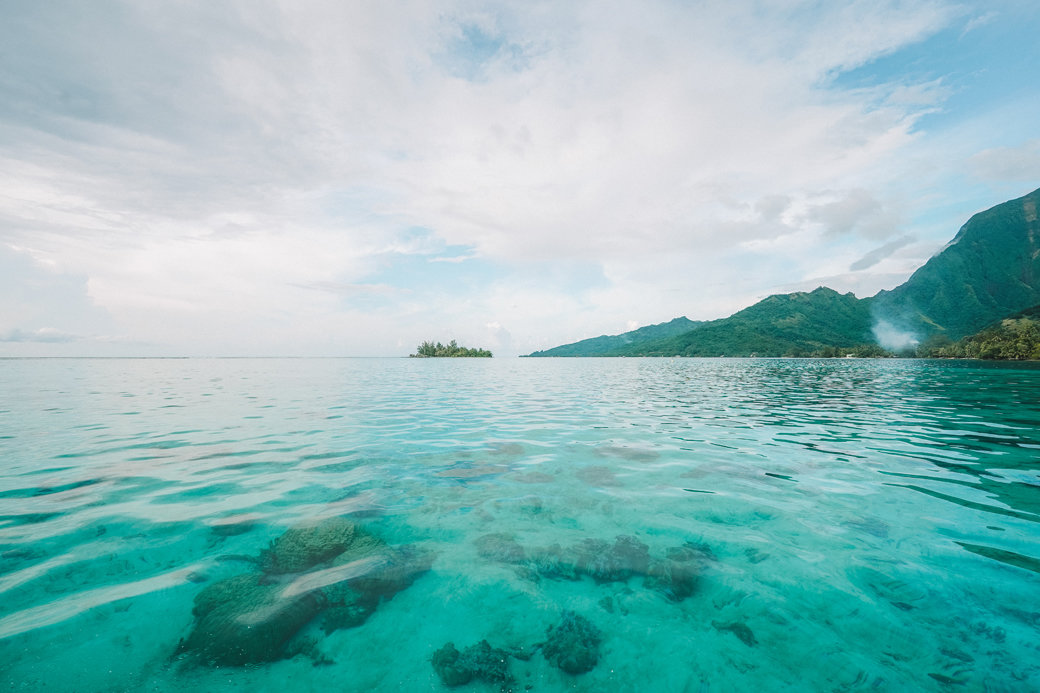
(1015, 338)
(989, 270)
(607, 344)
(797, 324)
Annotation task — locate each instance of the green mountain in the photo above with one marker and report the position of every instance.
(606, 345)
(990, 270)
(821, 322)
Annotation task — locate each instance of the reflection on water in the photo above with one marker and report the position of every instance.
(528, 524)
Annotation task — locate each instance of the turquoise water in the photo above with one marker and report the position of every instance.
(786, 525)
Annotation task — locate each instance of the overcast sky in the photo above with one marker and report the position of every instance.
(351, 178)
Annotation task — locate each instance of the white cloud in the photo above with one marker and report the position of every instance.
(1021, 163)
(978, 21)
(253, 176)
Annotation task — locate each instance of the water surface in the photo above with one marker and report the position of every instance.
(844, 524)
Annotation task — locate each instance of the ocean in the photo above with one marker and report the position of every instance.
(699, 525)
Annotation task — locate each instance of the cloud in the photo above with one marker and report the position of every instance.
(853, 211)
(880, 253)
(40, 301)
(353, 289)
(328, 177)
(1019, 163)
(43, 334)
(979, 21)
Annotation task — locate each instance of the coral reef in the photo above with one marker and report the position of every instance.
(241, 620)
(605, 563)
(307, 545)
(331, 568)
(554, 562)
(675, 576)
(500, 547)
(348, 615)
(401, 566)
(572, 644)
(480, 661)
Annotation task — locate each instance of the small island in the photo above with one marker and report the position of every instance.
(452, 349)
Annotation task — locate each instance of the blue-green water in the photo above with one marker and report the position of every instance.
(830, 525)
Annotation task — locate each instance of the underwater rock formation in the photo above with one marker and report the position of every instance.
(738, 629)
(573, 644)
(367, 576)
(554, 562)
(341, 572)
(350, 614)
(596, 558)
(605, 563)
(500, 547)
(307, 545)
(480, 661)
(675, 576)
(401, 566)
(241, 620)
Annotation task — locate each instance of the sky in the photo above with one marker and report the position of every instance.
(306, 178)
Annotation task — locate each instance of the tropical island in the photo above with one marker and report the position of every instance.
(979, 297)
(449, 350)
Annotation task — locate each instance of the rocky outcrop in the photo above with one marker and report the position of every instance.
(481, 662)
(573, 644)
(332, 568)
(675, 575)
(241, 620)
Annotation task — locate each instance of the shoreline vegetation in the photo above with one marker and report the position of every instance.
(450, 350)
(1016, 338)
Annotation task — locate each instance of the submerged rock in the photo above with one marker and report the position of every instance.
(555, 563)
(307, 545)
(402, 565)
(603, 563)
(349, 615)
(332, 566)
(676, 576)
(738, 629)
(242, 620)
(451, 671)
(596, 558)
(573, 644)
(480, 661)
(386, 571)
(500, 547)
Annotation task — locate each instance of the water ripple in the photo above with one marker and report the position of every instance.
(882, 513)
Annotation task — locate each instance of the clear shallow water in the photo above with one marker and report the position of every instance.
(853, 525)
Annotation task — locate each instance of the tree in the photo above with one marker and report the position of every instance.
(452, 349)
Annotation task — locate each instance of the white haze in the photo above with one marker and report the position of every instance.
(892, 338)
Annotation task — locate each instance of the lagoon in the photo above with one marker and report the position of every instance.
(719, 524)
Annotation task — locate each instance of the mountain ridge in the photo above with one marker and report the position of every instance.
(599, 346)
(989, 270)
